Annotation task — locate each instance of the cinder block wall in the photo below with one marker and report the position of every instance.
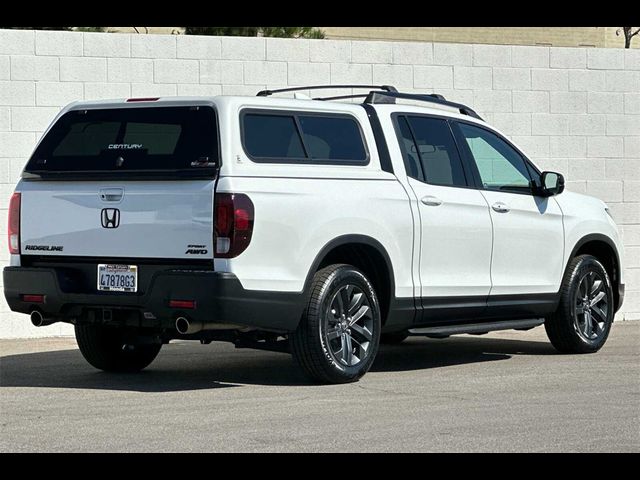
(575, 110)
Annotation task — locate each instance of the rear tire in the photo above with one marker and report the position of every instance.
(105, 349)
(339, 333)
(583, 320)
(394, 338)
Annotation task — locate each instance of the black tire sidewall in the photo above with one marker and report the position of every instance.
(567, 339)
(347, 275)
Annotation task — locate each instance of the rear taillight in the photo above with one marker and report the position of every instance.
(233, 224)
(14, 224)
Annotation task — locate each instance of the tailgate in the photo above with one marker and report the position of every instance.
(170, 219)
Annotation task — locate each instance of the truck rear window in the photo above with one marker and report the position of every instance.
(129, 139)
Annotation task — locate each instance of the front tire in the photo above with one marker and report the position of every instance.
(583, 320)
(339, 333)
(105, 348)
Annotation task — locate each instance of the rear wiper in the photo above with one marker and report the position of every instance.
(203, 162)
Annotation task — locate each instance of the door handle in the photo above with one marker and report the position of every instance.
(111, 194)
(431, 201)
(500, 207)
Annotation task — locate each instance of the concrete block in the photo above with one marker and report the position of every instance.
(452, 54)
(132, 70)
(266, 73)
(511, 78)
(632, 191)
(241, 48)
(622, 81)
(491, 55)
(371, 52)
(35, 68)
(544, 79)
(631, 235)
(631, 168)
(176, 71)
(525, 56)
(587, 125)
(622, 125)
(102, 91)
(567, 147)
(492, 101)
(530, 101)
(351, 73)
(154, 46)
(58, 94)
(629, 213)
(605, 146)
(230, 72)
(632, 105)
(5, 119)
(550, 124)
(288, 49)
(17, 42)
(17, 144)
(5, 67)
(632, 146)
(631, 59)
(613, 168)
(568, 102)
(534, 147)
(107, 45)
(17, 93)
(459, 96)
(605, 102)
(607, 191)
(513, 123)
(309, 73)
(198, 47)
(434, 77)
(67, 44)
(144, 90)
(412, 53)
(605, 58)
(476, 78)
(576, 186)
(586, 80)
(32, 119)
(329, 51)
(243, 90)
(401, 76)
(78, 69)
(568, 57)
(586, 169)
(191, 90)
(552, 164)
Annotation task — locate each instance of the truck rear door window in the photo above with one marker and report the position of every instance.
(129, 139)
(303, 138)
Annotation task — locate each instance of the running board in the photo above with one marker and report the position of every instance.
(478, 328)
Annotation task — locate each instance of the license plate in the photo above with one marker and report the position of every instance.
(118, 278)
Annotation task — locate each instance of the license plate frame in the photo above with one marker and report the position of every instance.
(121, 278)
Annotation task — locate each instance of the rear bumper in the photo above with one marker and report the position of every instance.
(219, 297)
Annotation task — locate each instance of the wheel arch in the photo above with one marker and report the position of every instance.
(365, 253)
(605, 250)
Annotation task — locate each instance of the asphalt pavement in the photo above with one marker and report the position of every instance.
(507, 391)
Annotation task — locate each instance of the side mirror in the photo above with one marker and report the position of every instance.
(552, 184)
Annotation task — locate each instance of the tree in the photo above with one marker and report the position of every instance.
(282, 32)
(629, 33)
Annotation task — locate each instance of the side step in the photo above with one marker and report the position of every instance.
(477, 328)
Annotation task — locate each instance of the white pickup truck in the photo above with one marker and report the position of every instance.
(312, 226)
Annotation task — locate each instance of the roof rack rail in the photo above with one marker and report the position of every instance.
(342, 97)
(268, 93)
(389, 97)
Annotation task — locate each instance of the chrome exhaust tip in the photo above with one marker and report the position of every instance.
(38, 320)
(183, 326)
